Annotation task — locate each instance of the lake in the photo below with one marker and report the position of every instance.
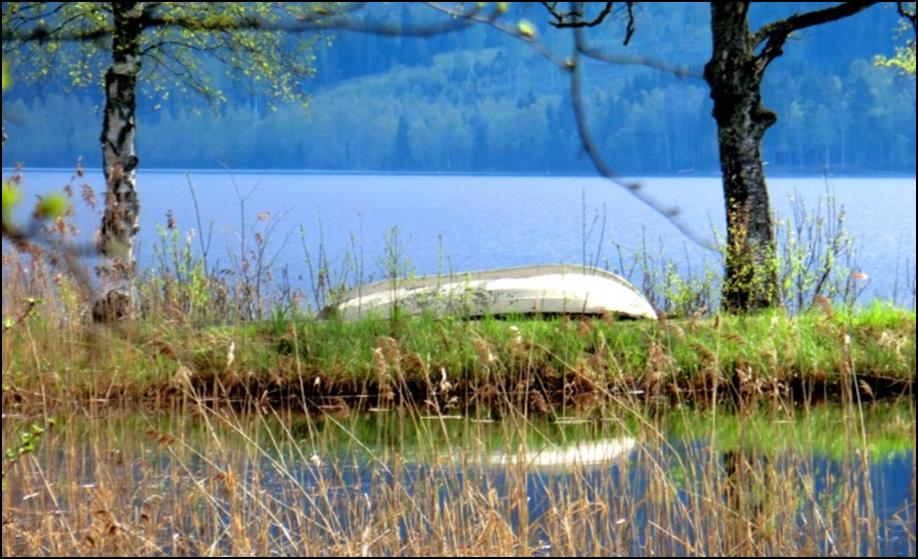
(462, 223)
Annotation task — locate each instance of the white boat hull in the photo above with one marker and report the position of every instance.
(553, 289)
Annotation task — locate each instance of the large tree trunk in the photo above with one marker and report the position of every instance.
(734, 75)
(120, 218)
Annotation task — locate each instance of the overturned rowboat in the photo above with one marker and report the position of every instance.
(551, 289)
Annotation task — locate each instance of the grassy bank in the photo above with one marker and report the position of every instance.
(202, 331)
(550, 365)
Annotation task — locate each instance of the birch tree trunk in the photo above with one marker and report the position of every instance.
(120, 218)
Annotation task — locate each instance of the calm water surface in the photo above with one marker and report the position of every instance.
(318, 467)
(463, 223)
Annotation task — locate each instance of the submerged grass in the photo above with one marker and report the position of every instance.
(403, 483)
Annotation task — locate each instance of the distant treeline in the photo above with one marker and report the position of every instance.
(478, 101)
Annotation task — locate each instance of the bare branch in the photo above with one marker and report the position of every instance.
(629, 30)
(671, 214)
(574, 18)
(513, 31)
(775, 33)
(630, 60)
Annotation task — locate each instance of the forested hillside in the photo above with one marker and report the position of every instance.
(480, 101)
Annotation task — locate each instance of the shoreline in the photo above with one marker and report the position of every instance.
(450, 365)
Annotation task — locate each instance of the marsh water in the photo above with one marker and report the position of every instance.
(827, 480)
(449, 223)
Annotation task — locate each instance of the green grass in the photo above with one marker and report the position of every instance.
(563, 360)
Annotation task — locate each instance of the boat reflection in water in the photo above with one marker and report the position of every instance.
(580, 454)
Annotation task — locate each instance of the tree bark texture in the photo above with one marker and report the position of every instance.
(120, 218)
(734, 75)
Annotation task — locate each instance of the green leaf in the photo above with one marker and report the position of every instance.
(10, 195)
(526, 28)
(51, 206)
(10, 199)
(7, 82)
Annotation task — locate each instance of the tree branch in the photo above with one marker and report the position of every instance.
(574, 18)
(42, 33)
(631, 60)
(671, 214)
(775, 33)
(512, 31)
(322, 21)
(629, 29)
